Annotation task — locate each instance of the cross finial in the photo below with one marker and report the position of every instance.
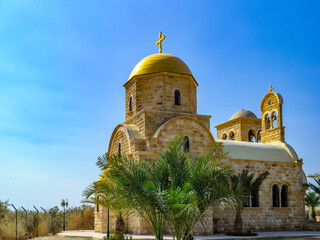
(159, 42)
(270, 88)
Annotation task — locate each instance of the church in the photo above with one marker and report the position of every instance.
(161, 103)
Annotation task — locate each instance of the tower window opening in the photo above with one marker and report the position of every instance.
(267, 122)
(259, 137)
(130, 103)
(177, 97)
(231, 136)
(119, 149)
(186, 146)
(251, 136)
(284, 196)
(275, 196)
(274, 119)
(270, 102)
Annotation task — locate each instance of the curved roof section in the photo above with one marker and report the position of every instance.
(133, 131)
(304, 179)
(160, 62)
(274, 151)
(196, 121)
(130, 130)
(243, 113)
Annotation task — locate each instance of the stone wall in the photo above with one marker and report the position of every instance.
(228, 127)
(262, 218)
(156, 92)
(120, 137)
(201, 139)
(266, 217)
(241, 127)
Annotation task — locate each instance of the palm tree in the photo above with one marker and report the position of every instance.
(177, 187)
(131, 178)
(312, 200)
(244, 182)
(106, 194)
(316, 178)
(195, 182)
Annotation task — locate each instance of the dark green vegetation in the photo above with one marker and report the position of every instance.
(312, 198)
(174, 189)
(246, 182)
(32, 224)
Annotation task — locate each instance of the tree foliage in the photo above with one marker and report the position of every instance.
(244, 182)
(312, 200)
(177, 187)
(316, 178)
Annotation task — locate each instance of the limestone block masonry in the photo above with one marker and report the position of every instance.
(161, 103)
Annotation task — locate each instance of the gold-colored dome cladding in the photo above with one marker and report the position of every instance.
(160, 62)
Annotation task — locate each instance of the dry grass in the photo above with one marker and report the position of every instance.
(81, 219)
(78, 218)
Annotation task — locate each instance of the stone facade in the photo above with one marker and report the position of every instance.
(162, 105)
(240, 128)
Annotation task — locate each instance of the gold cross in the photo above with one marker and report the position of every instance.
(159, 42)
(270, 88)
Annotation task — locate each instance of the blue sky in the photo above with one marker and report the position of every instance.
(63, 64)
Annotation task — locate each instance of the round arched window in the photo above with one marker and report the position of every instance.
(177, 97)
(186, 145)
(275, 196)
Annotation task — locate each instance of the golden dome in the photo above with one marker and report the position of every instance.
(160, 62)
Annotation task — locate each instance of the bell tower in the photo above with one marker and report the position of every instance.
(271, 117)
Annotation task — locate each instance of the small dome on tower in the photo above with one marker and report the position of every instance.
(243, 113)
(160, 62)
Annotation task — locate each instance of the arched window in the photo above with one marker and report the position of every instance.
(267, 121)
(130, 103)
(251, 136)
(255, 199)
(186, 145)
(284, 196)
(231, 136)
(119, 149)
(258, 136)
(275, 196)
(224, 137)
(274, 119)
(177, 97)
